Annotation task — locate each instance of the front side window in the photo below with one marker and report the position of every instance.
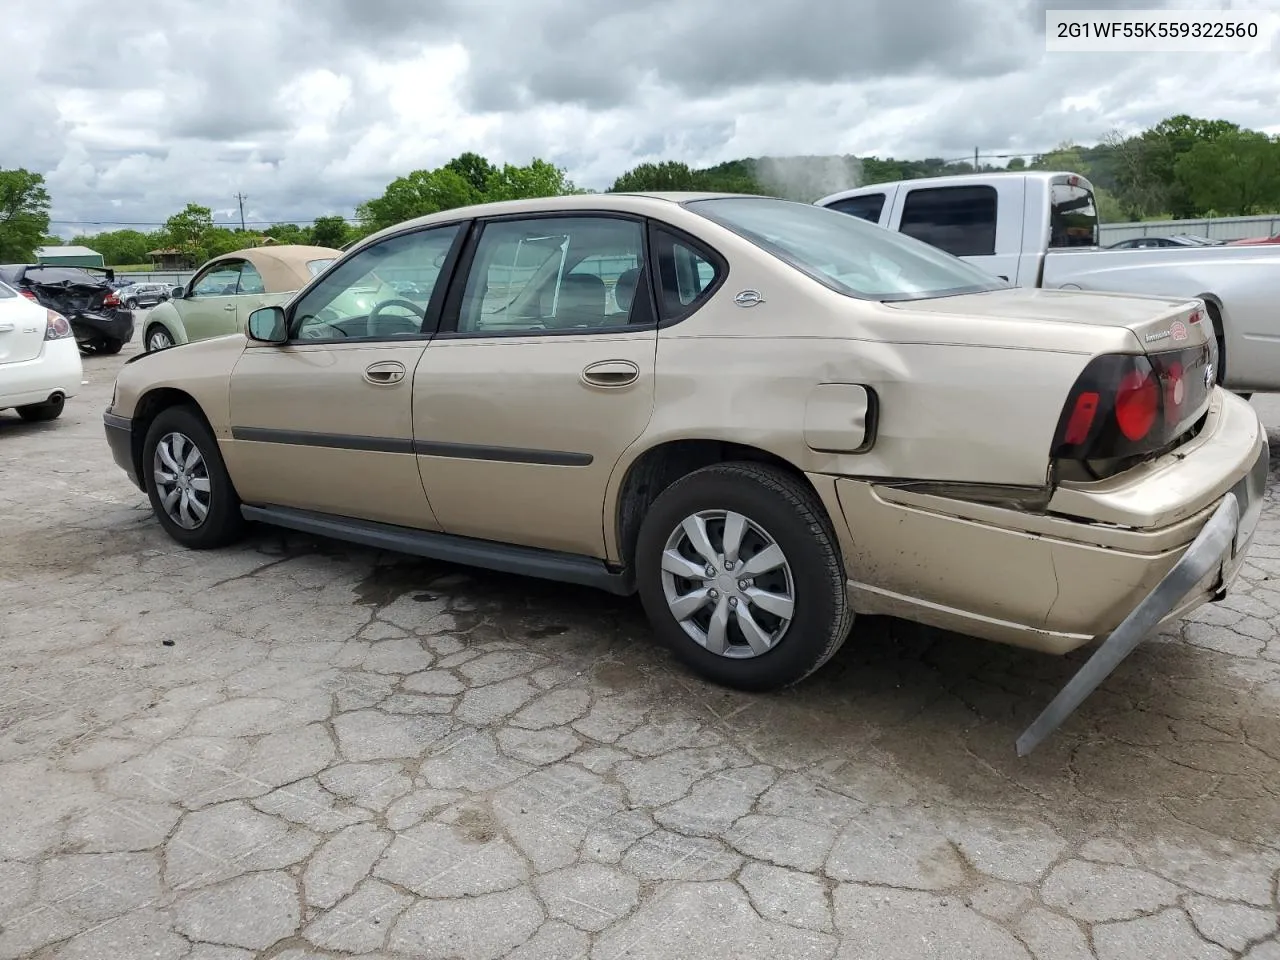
(868, 206)
(959, 220)
(316, 267)
(845, 253)
(221, 280)
(251, 280)
(555, 273)
(360, 298)
(1073, 216)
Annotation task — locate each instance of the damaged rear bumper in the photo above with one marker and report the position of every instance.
(1134, 553)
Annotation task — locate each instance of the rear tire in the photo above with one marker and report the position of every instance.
(131, 304)
(196, 504)
(111, 347)
(37, 412)
(794, 605)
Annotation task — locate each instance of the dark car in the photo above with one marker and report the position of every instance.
(137, 295)
(85, 297)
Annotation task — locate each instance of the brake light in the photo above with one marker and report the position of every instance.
(28, 294)
(1137, 404)
(1126, 405)
(111, 300)
(56, 326)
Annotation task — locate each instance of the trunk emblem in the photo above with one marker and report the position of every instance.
(1209, 374)
(1178, 331)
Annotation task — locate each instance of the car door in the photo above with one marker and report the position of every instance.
(209, 307)
(323, 421)
(541, 376)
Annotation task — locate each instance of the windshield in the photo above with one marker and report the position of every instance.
(847, 254)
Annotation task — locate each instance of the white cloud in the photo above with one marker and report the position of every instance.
(311, 106)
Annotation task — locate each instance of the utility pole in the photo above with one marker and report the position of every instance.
(241, 197)
(975, 163)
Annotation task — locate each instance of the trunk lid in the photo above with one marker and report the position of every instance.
(1158, 323)
(67, 290)
(22, 328)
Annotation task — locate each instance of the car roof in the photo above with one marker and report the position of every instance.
(282, 266)
(652, 203)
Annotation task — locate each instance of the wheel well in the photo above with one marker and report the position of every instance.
(663, 465)
(149, 407)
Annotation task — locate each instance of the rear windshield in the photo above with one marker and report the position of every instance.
(847, 254)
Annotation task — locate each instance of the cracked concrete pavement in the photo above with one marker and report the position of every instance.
(297, 748)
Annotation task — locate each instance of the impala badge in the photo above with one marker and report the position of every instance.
(748, 298)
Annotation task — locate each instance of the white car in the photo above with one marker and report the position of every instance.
(39, 360)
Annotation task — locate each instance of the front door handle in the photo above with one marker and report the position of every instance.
(5, 327)
(383, 372)
(229, 306)
(611, 373)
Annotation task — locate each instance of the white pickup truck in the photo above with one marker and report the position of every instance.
(1040, 229)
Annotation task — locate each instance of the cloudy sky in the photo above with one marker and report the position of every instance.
(310, 106)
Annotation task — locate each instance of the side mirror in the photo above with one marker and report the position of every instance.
(266, 325)
(177, 292)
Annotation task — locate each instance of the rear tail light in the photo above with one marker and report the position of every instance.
(56, 326)
(1124, 406)
(28, 294)
(111, 300)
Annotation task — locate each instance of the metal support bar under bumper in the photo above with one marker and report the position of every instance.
(1216, 544)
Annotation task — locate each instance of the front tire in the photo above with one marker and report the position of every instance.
(158, 338)
(187, 482)
(39, 412)
(740, 574)
(131, 304)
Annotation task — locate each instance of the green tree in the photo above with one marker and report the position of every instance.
(667, 175)
(120, 246)
(417, 194)
(474, 169)
(1065, 156)
(24, 214)
(330, 232)
(1234, 174)
(186, 231)
(538, 179)
(288, 233)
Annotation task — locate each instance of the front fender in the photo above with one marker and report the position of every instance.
(166, 315)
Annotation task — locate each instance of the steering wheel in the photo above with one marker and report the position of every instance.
(371, 324)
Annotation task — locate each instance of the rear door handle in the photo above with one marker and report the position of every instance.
(229, 306)
(385, 371)
(611, 373)
(5, 327)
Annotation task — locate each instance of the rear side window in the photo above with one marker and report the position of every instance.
(687, 274)
(1073, 217)
(6, 291)
(868, 206)
(959, 220)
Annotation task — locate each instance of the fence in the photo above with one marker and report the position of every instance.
(1219, 228)
(170, 278)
